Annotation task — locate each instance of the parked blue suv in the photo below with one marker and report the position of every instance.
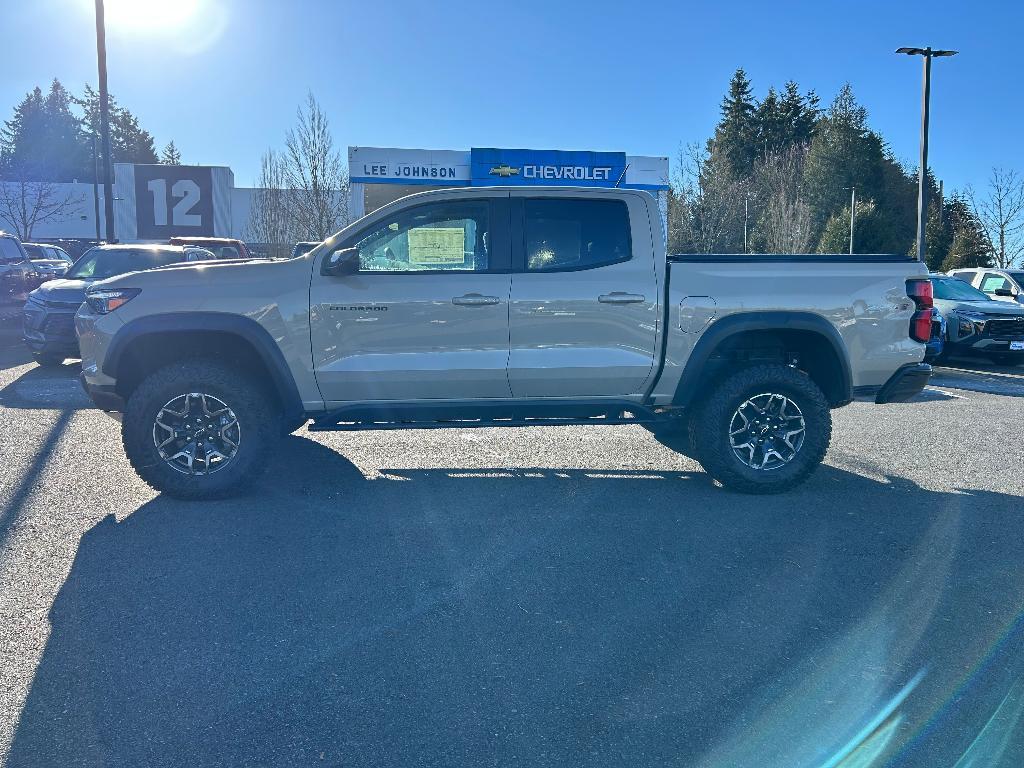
(49, 313)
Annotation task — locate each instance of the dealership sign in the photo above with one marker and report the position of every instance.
(546, 167)
(487, 167)
(157, 202)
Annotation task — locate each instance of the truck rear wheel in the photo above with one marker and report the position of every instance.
(764, 429)
(198, 430)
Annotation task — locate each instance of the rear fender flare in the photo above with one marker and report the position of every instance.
(742, 322)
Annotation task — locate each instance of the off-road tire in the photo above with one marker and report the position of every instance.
(48, 359)
(712, 421)
(258, 420)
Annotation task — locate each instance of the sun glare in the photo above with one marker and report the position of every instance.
(156, 15)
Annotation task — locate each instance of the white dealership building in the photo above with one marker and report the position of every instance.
(154, 202)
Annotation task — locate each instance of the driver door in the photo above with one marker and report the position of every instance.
(426, 315)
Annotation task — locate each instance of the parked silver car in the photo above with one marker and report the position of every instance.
(977, 325)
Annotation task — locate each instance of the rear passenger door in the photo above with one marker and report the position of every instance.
(583, 311)
(992, 282)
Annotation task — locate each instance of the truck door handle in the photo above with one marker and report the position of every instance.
(618, 297)
(475, 300)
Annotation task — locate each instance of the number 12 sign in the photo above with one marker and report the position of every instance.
(173, 200)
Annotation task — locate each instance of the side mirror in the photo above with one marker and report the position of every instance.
(340, 263)
(1003, 292)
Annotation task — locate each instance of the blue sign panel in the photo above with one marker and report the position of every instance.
(553, 168)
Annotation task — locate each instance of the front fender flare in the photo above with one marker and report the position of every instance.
(256, 335)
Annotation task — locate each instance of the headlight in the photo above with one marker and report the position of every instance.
(103, 301)
(969, 323)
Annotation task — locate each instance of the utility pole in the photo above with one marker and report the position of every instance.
(96, 187)
(922, 175)
(746, 212)
(108, 184)
(853, 214)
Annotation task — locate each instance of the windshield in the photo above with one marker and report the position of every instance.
(951, 289)
(1018, 278)
(100, 263)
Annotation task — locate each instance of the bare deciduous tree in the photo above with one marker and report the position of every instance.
(708, 202)
(1001, 215)
(784, 223)
(270, 217)
(315, 175)
(25, 204)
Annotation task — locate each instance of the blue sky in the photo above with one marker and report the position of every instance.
(223, 77)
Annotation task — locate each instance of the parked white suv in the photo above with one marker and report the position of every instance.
(997, 284)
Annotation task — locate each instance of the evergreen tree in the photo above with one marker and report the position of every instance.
(868, 235)
(969, 246)
(129, 142)
(773, 130)
(19, 138)
(801, 113)
(170, 155)
(844, 153)
(938, 236)
(43, 141)
(736, 133)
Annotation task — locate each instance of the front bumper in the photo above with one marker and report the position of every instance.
(104, 396)
(907, 382)
(44, 330)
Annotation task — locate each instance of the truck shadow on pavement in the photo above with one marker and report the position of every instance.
(526, 616)
(47, 388)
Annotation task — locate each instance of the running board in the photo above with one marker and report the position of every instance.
(476, 414)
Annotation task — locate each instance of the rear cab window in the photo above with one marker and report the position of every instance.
(564, 234)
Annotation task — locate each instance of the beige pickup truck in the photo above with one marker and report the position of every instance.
(502, 307)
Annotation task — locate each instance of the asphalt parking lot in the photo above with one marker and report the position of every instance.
(556, 596)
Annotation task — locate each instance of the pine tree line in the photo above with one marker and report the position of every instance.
(778, 175)
(50, 137)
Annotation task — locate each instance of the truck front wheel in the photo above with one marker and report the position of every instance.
(764, 429)
(198, 430)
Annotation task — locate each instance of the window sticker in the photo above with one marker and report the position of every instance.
(437, 245)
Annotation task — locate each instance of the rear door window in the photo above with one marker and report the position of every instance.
(573, 234)
(992, 283)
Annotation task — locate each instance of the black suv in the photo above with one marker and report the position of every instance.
(49, 314)
(16, 276)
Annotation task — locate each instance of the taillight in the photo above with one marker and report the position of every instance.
(921, 321)
(921, 326)
(921, 292)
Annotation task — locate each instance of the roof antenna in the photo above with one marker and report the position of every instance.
(621, 176)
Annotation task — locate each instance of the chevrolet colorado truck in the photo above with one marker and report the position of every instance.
(502, 307)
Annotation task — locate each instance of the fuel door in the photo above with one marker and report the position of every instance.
(695, 312)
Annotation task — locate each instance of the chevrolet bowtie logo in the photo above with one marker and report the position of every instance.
(504, 170)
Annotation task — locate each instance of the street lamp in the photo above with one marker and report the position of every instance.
(853, 213)
(922, 209)
(101, 61)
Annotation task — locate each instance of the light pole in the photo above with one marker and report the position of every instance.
(853, 213)
(746, 217)
(101, 61)
(746, 212)
(922, 203)
(95, 187)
